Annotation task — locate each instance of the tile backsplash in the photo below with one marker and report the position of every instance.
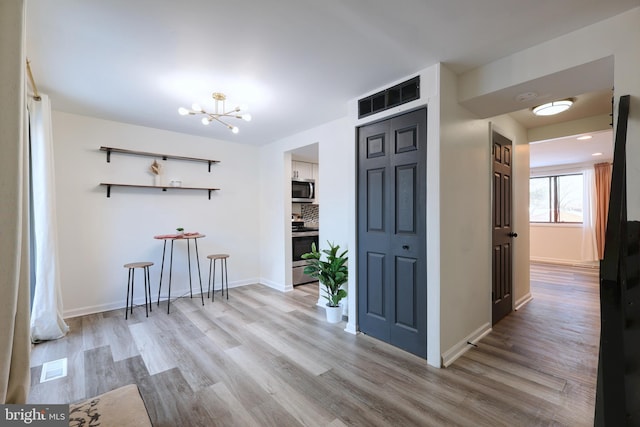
(310, 213)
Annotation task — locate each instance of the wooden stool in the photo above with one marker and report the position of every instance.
(223, 273)
(147, 285)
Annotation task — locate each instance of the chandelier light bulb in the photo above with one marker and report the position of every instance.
(234, 129)
(183, 111)
(246, 117)
(205, 121)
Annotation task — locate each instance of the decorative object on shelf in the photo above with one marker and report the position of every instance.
(156, 170)
(552, 108)
(219, 112)
(180, 230)
(332, 273)
(176, 183)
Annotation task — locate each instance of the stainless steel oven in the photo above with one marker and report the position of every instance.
(301, 244)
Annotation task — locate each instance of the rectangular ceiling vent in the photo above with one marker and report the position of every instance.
(389, 98)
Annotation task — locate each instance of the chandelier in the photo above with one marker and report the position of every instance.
(219, 112)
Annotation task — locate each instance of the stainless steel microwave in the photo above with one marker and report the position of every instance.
(302, 190)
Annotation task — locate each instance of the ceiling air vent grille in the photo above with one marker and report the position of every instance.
(389, 98)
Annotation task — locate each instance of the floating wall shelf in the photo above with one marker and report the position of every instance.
(161, 187)
(110, 150)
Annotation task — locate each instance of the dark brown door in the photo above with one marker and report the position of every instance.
(502, 245)
(392, 285)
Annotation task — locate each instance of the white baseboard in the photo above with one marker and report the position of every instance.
(569, 262)
(351, 328)
(275, 285)
(92, 309)
(449, 356)
(522, 301)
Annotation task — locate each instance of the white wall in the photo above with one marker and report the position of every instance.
(465, 210)
(465, 282)
(99, 234)
(557, 243)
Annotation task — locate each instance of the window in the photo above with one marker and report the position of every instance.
(556, 199)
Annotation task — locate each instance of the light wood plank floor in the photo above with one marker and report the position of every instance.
(265, 358)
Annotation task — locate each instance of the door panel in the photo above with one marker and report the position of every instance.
(375, 146)
(406, 197)
(406, 139)
(375, 284)
(375, 198)
(502, 254)
(406, 310)
(392, 297)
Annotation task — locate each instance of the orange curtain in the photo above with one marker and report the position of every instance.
(603, 189)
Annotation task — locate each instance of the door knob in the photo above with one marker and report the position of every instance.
(512, 234)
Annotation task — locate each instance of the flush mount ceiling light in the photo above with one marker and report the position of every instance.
(219, 112)
(551, 108)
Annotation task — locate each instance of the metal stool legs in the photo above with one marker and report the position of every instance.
(130, 284)
(224, 277)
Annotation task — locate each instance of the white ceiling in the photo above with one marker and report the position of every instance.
(296, 63)
(572, 151)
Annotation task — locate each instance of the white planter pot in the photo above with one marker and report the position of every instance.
(334, 314)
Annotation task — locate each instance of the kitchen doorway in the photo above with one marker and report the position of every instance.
(305, 209)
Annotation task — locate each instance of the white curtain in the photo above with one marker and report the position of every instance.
(46, 314)
(589, 243)
(14, 209)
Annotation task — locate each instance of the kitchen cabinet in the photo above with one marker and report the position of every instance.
(301, 170)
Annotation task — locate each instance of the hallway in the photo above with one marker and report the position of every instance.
(547, 350)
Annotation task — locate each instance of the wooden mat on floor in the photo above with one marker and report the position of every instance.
(122, 407)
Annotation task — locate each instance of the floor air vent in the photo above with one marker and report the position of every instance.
(53, 370)
(389, 98)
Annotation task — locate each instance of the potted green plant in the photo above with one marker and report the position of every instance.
(180, 230)
(332, 273)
